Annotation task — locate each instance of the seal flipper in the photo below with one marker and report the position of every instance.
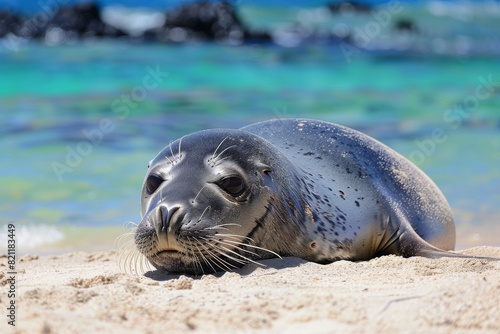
(411, 244)
(400, 237)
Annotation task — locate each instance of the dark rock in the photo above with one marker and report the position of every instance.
(204, 21)
(9, 23)
(82, 20)
(210, 20)
(405, 25)
(349, 7)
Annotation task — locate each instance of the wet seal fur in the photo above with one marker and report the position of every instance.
(218, 199)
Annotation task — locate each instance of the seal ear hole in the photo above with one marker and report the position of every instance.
(263, 168)
(153, 182)
(313, 244)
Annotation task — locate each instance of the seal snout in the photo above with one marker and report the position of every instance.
(167, 222)
(166, 214)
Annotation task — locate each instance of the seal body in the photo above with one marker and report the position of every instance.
(217, 199)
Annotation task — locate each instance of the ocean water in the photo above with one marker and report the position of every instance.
(80, 121)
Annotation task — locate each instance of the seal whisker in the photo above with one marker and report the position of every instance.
(217, 261)
(218, 146)
(238, 247)
(235, 236)
(219, 160)
(129, 257)
(195, 257)
(144, 265)
(213, 260)
(220, 226)
(223, 251)
(198, 194)
(218, 155)
(129, 225)
(123, 257)
(244, 259)
(136, 261)
(201, 216)
(203, 256)
(170, 161)
(180, 142)
(223, 264)
(126, 247)
(228, 266)
(198, 262)
(254, 247)
(123, 238)
(171, 151)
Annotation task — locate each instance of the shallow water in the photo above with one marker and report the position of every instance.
(74, 151)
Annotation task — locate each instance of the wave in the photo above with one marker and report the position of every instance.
(134, 21)
(30, 236)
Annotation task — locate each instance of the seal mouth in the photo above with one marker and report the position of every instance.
(174, 261)
(166, 252)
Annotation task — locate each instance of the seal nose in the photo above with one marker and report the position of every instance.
(166, 216)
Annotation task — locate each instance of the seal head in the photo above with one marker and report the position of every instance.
(208, 200)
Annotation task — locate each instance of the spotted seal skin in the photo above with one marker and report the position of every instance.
(218, 199)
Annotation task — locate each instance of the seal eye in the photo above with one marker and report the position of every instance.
(233, 185)
(152, 183)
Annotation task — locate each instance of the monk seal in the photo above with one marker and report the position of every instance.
(218, 199)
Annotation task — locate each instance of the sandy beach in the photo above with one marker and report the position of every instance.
(92, 91)
(88, 293)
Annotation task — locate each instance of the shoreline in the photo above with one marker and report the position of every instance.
(390, 293)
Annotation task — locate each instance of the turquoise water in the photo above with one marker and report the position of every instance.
(59, 187)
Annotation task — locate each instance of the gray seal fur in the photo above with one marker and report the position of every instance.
(218, 199)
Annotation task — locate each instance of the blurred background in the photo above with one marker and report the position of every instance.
(90, 92)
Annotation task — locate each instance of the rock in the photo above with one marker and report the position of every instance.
(82, 20)
(406, 25)
(204, 21)
(9, 23)
(349, 7)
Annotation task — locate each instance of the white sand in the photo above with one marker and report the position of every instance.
(87, 293)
